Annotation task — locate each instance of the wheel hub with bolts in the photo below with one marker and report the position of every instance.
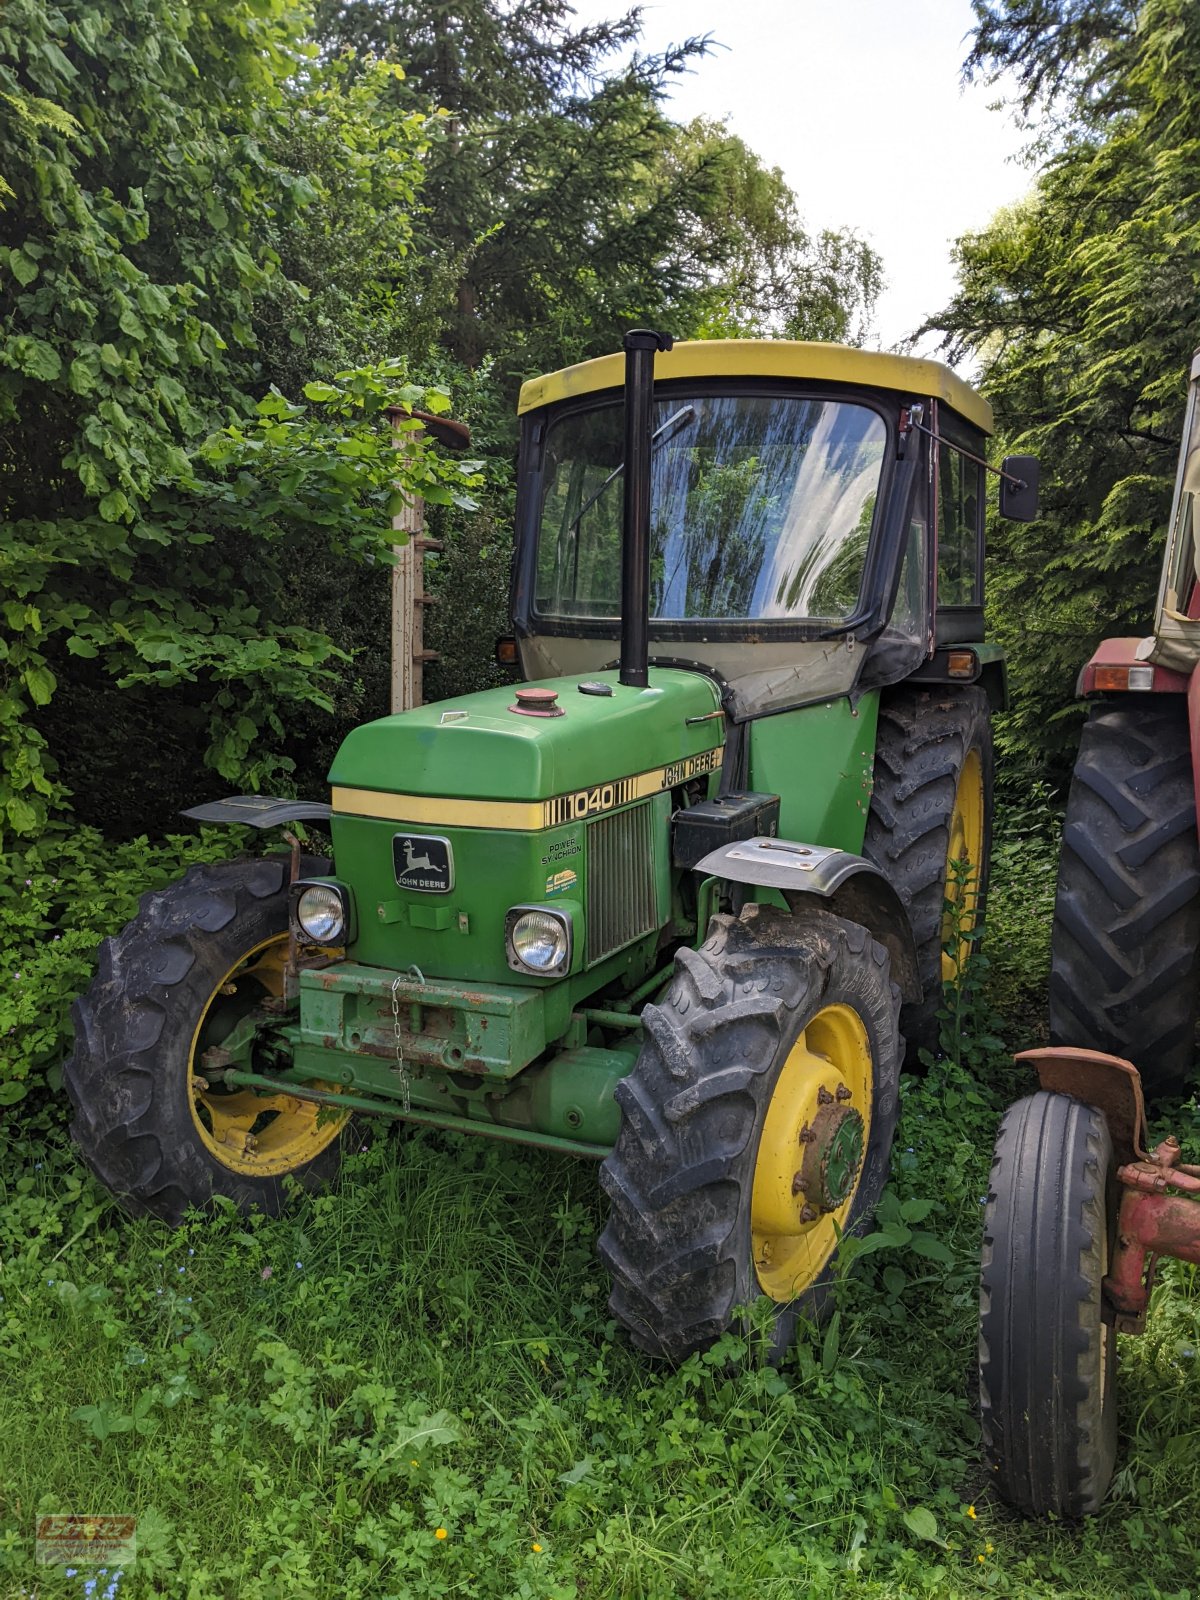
(833, 1153)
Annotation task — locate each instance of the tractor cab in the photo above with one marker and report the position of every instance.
(816, 524)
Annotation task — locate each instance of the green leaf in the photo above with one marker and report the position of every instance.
(114, 506)
(924, 1244)
(320, 392)
(21, 814)
(919, 1520)
(430, 1430)
(41, 683)
(23, 269)
(34, 357)
(11, 1091)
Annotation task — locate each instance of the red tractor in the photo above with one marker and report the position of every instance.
(1079, 1207)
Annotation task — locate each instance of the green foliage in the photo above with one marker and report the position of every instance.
(140, 546)
(59, 896)
(563, 204)
(1080, 303)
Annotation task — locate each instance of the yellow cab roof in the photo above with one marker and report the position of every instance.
(769, 358)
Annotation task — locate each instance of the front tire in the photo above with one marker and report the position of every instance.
(198, 955)
(931, 805)
(1047, 1349)
(1125, 949)
(756, 1127)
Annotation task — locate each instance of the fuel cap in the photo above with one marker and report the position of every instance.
(537, 703)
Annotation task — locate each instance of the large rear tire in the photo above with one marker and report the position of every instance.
(1047, 1349)
(1125, 950)
(755, 1128)
(198, 955)
(932, 805)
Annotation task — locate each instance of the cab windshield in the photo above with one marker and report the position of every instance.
(761, 507)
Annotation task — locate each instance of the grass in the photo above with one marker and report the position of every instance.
(296, 1407)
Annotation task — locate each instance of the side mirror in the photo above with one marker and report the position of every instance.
(1019, 501)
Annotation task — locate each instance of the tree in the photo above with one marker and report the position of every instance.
(145, 221)
(566, 203)
(1081, 304)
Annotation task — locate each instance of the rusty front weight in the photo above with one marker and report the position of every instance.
(1159, 1213)
(1151, 1222)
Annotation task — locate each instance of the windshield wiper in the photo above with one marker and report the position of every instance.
(674, 424)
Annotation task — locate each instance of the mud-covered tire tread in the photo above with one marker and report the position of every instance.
(1125, 950)
(922, 742)
(677, 1240)
(1049, 1425)
(130, 1122)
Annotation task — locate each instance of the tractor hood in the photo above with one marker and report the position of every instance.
(479, 748)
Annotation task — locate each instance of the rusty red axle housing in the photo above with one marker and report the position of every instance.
(1159, 1211)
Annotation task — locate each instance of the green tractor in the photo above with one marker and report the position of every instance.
(660, 903)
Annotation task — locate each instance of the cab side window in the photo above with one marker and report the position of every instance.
(960, 541)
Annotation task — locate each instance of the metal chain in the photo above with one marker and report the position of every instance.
(401, 1069)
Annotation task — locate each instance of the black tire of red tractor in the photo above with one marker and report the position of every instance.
(923, 741)
(127, 1076)
(1047, 1354)
(1125, 950)
(677, 1244)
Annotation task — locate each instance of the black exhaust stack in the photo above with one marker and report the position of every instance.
(641, 345)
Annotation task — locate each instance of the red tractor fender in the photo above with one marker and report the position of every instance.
(1108, 672)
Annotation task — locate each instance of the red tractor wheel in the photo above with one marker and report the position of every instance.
(1125, 967)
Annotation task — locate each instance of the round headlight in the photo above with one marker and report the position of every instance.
(539, 941)
(320, 915)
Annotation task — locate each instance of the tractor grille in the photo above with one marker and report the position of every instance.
(622, 903)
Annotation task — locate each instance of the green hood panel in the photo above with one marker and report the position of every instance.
(475, 748)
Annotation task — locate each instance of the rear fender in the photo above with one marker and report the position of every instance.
(1109, 668)
(845, 884)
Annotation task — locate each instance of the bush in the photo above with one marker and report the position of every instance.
(58, 899)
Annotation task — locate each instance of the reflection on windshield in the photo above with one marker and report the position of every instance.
(760, 507)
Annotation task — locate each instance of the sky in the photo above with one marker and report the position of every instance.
(860, 103)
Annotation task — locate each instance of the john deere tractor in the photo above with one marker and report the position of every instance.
(658, 904)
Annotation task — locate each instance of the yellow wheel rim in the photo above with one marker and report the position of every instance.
(809, 1161)
(258, 1135)
(966, 845)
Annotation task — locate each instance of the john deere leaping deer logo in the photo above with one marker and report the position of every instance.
(424, 862)
(413, 860)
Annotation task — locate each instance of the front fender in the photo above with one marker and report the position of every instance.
(850, 886)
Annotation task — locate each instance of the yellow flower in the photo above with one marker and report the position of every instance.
(537, 1549)
(989, 1549)
(439, 1533)
(414, 1463)
(971, 1512)
(981, 1559)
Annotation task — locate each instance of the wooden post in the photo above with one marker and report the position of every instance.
(408, 634)
(409, 599)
